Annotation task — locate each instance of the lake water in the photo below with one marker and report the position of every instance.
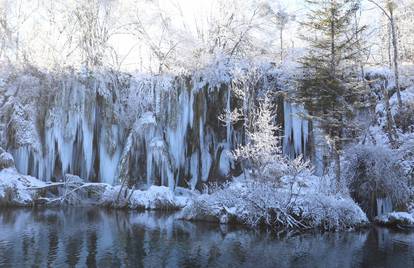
(82, 237)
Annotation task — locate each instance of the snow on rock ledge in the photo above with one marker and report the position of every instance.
(155, 198)
(396, 219)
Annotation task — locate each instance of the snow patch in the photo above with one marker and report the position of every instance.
(154, 198)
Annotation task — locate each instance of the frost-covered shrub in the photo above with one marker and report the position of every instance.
(404, 119)
(374, 172)
(262, 203)
(262, 153)
(6, 160)
(332, 212)
(406, 156)
(8, 196)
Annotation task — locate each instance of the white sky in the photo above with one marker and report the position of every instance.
(193, 12)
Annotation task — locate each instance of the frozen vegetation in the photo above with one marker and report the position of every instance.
(154, 198)
(301, 206)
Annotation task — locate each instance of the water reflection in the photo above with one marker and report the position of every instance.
(100, 238)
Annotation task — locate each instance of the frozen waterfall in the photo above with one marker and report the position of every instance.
(177, 139)
(151, 130)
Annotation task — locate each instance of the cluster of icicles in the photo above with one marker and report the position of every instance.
(171, 145)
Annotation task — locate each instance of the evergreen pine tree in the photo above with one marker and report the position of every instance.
(330, 87)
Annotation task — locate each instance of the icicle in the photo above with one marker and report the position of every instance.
(21, 158)
(320, 148)
(296, 130)
(109, 162)
(287, 139)
(228, 123)
(87, 143)
(205, 155)
(384, 206)
(194, 170)
(150, 174)
(225, 162)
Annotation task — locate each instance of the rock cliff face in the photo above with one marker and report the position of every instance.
(108, 127)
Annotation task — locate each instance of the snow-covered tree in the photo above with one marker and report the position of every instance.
(330, 87)
(374, 172)
(263, 145)
(406, 30)
(388, 9)
(280, 18)
(93, 30)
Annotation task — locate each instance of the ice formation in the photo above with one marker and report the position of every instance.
(384, 206)
(296, 130)
(151, 130)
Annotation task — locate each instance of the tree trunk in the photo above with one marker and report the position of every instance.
(390, 129)
(395, 46)
(281, 45)
(389, 45)
(337, 168)
(333, 65)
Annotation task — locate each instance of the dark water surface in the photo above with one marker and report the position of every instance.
(79, 237)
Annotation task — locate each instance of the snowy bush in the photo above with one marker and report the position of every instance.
(374, 172)
(406, 156)
(262, 152)
(6, 160)
(404, 119)
(262, 203)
